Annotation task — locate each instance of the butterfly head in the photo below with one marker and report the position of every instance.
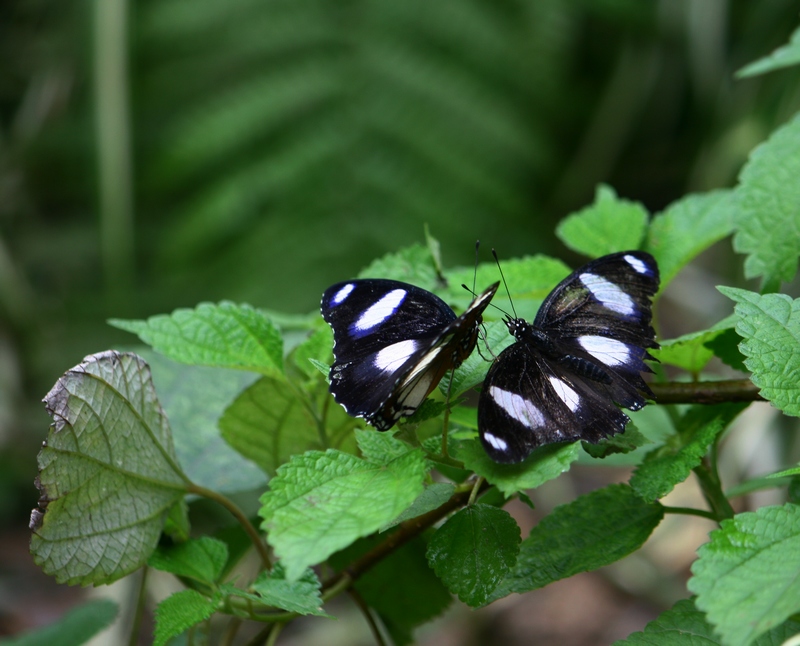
(517, 327)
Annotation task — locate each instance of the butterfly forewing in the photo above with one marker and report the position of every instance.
(582, 355)
(393, 342)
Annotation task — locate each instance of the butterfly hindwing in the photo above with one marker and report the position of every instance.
(393, 342)
(581, 358)
(527, 402)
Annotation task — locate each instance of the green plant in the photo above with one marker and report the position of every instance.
(366, 508)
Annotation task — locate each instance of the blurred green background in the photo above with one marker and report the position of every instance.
(159, 153)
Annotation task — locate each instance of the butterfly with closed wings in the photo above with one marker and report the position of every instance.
(392, 344)
(583, 353)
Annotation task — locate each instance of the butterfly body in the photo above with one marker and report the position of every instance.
(393, 342)
(582, 356)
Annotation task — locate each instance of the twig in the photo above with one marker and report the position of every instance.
(706, 392)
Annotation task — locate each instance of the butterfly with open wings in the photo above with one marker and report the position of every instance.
(393, 343)
(582, 354)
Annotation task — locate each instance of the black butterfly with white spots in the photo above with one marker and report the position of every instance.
(583, 353)
(392, 344)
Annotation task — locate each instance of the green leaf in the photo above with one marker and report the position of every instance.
(179, 612)
(544, 464)
(690, 352)
(687, 228)
(607, 226)
(433, 497)
(413, 265)
(202, 559)
(592, 531)
(108, 475)
(224, 335)
(784, 56)
(665, 467)
(685, 625)
(301, 596)
(746, 578)
(75, 628)
(380, 447)
(770, 327)
(620, 443)
(768, 217)
(268, 423)
(392, 586)
(315, 350)
(321, 502)
(194, 398)
(725, 347)
(474, 550)
(530, 280)
(682, 624)
(177, 525)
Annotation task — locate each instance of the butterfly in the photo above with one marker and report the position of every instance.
(583, 353)
(392, 344)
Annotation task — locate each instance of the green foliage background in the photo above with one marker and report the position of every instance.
(279, 146)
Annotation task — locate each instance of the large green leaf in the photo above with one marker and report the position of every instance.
(270, 422)
(225, 335)
(685, 625)
(768, 217)
(321, 502)
(180, 611)
(770, 327)
(301, 596)
(108, 474)
(543, 464)
(474, 550)
(688, 227)
(746, 578)
(607, 226)
(590, 532)
(202, 559)
(691, 351)
(672, 463)
(194, 398)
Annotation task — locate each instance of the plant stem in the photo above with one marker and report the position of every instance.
(408, 530)
(706, 392)
(275, 630)
(140, 603)
(474, 493)
(712, 491)
(364, 608)
(690, 511)
(230, 631)
(239, 515)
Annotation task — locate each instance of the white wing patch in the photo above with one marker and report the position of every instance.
(609, 294)
(565, 393)
(393, 356)
(495, 442)
(381, 310)
(610, 351)
(343, 293)
(521, 409)
(638, 266)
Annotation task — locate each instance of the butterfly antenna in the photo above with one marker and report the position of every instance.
(505, 284)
